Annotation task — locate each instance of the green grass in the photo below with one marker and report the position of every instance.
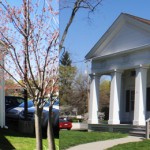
(72, 138)
(10, 139)
(143, 145)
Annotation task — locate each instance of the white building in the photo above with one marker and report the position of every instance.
(124, 53)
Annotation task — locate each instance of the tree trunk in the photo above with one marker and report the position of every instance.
(50, 135)
(38, 128)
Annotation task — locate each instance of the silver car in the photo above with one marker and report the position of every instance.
(15, 112)
(45, 114)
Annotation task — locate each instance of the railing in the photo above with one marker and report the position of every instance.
(147, 128)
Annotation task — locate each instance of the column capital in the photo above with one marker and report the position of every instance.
(93, 75)
(142, 66)
(117, 71)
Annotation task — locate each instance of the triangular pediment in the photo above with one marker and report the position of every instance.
(124, 35)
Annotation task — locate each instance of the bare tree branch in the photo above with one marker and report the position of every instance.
(78, 4)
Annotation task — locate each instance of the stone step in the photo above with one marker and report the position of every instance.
(138, 133)
(138, 129)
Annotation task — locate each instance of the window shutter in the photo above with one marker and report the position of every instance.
(148, 99)
(127, 100)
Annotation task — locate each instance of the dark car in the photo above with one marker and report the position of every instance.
(65, 124)
(13, 113)
(12, 101)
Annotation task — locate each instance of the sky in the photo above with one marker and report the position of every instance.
(84, 33)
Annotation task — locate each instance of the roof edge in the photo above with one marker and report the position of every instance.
(105, 35)
(122, 52)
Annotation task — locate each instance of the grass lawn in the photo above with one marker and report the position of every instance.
(72, 138)
(143, 145)
(10, 139)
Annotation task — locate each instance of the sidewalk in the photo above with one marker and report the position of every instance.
(102, 145)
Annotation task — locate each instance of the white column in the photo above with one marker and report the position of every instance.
(140, 96)
(114, 106)
(2, 99)
(94, 100)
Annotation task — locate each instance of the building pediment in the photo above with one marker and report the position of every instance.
(126, 33)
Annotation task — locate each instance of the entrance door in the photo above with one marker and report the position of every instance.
(130, 96)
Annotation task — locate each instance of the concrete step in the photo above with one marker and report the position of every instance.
(138, 131)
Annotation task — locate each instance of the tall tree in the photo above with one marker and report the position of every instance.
(29, 31)
(80, 94)
(66, 73)
(65, 60)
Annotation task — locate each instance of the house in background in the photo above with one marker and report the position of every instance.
(123, 52)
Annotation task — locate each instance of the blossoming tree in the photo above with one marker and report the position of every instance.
(29, 31)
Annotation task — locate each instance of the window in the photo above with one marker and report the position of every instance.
(148, 99)
(132, 99)
(127, 100)
(130, 96)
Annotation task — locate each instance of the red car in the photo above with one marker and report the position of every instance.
(65, 124)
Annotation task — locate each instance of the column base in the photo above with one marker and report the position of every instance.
(113, 121)
(93, 121)
(139, 123)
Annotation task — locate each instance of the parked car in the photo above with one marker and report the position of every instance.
(15, 112)
(45, 115)
(65, 124)
(12, 101)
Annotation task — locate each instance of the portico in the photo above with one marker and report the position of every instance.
(123, 52)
